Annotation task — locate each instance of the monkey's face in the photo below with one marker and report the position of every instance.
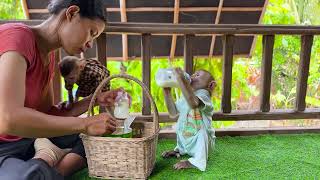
(77, 33)
(201, 80)
(73, 76)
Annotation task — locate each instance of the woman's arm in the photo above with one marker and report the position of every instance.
(77, 109)
(15, 119)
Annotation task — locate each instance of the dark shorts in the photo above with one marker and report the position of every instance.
(16, 161)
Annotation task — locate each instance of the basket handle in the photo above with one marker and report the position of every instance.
(144, 88)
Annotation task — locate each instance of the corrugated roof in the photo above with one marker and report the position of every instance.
(171, 11)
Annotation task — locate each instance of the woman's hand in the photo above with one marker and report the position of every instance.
(108, 98)
(100, 124)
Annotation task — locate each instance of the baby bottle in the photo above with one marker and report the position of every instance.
(167, 78)
(121, 110)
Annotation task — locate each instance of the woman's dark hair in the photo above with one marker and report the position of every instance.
(91, 9)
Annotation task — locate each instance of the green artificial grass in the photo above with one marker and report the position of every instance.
(253, 157)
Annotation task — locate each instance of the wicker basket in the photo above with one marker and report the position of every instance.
(123, 158)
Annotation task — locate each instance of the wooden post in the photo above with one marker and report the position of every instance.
(228, 41)
(57, 78)
(102, 48)
(102, 54)
(123, 16)
(302, 83)
(266, 71)
(188, 53)
(146, 70)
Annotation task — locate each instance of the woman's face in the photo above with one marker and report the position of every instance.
(77, 33)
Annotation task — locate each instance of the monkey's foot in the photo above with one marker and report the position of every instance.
(184, 164)
(172, 153)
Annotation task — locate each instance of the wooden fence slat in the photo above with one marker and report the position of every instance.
(146, 70)
(302, 82)
(102, 48)
(102, 54)
(57, 78)
(188, 53)
(228, 41)
(266, 71)
(123, 16)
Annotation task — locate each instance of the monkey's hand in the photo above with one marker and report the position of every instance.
(69, 105)
(65, 105)
(184, 164)
(172, 153)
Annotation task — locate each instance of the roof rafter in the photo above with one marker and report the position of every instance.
(175, 21)
(213, 39)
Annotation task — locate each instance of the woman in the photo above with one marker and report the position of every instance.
(26, 93)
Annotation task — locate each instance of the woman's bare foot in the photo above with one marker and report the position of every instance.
(47, 151)
(184, 164)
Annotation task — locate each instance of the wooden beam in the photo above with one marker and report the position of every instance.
(242, 28)
(187, 9)
(138, 58)
(170, 34)
(228, 41)
(278, 114)
(237, 26)
(216, 29)
(266, 71)
(165, 28)
(248, 115)
(27, 22)
(170, 134)
(216, 21)
(188, 53)
(175, 21)
(170, 9)
(302, 83)
(38, 11)
(25, 9)
(57, 78)
(123, 15)
(146, 70)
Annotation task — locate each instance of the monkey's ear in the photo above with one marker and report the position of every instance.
(82, 64)
(212, 85)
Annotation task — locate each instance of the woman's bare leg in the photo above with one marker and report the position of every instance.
(70, 164)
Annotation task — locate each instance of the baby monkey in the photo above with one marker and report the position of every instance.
(86, 73)
(195, 109)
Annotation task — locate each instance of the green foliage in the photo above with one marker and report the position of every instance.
(11, 9)
(306, 11)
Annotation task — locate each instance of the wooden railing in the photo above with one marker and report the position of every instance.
(228, 32)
